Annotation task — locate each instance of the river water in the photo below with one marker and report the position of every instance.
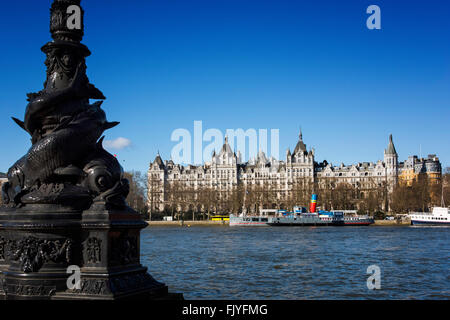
(254, 263)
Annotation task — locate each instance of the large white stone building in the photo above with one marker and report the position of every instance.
(225, 173)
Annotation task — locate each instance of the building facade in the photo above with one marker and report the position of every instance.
(3, 179)
(413, 167)
(227, 175)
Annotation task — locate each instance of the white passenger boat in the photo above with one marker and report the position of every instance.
(299, 220)
(440, 216)
(255, 220)
(346, 218)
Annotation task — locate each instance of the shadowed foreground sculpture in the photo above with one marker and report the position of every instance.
(65, 199)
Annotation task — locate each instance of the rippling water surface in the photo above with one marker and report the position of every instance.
(299, 263)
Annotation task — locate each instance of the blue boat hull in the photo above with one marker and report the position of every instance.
(430, 223)
(299, 224)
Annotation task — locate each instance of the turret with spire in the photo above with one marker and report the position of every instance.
(158, 161)
(391, 148)
(288, 156)
(300, 147)
(391, 163)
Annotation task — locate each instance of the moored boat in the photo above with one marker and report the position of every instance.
(255, 220)
(358, 221)
(299, 220)
(440, 216)
(346, 218)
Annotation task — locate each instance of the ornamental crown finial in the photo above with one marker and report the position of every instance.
(66, 21)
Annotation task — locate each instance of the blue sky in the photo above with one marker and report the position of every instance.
(248, 64)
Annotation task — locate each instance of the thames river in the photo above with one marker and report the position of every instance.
(299, 262)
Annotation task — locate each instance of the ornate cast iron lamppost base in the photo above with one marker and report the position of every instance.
(111, 252)
(39, 243)
(65, 199)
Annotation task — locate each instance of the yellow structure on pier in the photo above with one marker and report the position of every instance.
(220, 218)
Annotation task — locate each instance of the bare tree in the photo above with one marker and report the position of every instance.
(446, 187)
(174, 192)
(325, 192)
(2, 176)
(155, 194)
(206, 199)
(419, 196)
(137, 198)
(237, 198)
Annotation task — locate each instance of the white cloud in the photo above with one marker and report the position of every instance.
(118, 144)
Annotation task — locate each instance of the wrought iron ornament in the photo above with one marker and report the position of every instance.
(65, 198)
(32, 253)
(66, 163)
